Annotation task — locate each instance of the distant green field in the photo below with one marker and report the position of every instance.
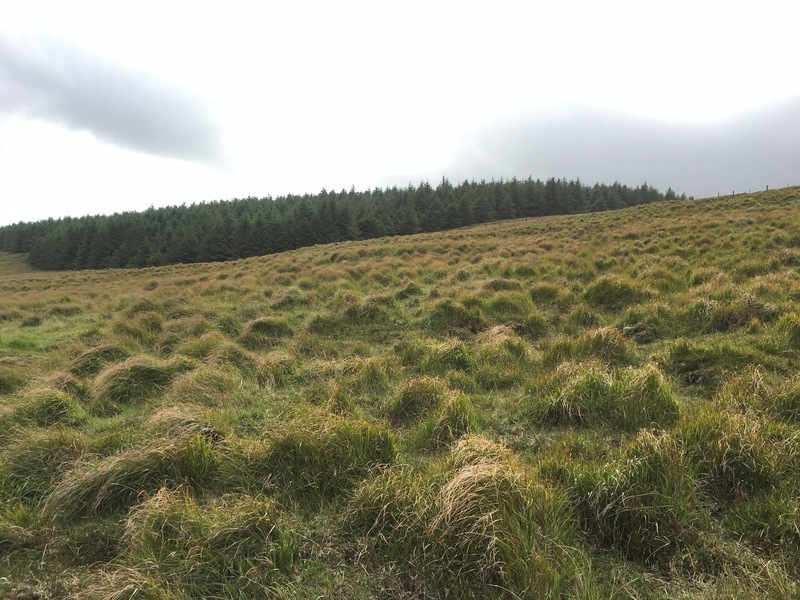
(587, 406)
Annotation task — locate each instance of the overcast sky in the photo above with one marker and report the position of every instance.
(107, 107)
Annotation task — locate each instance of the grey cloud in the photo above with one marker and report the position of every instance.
(755, 149)
(47, 79)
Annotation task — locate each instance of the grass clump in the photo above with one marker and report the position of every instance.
(322, 455)
(643, 504)
(737, 313)
(771, 522)
(32, 459)
(732, 453)
(116, 483)
(264, 332)
(704, 365)
(11, 380)
(173, 546)
(455, 419)
(627, 399)
(788, 329)
(611, 294)
(45, 407)
(605, 344)
(503, 359)
(94, 359)
(485, 528)
(136, 379)
(449, 355)
(417, 397)
(449, 315)
(508, 305)
(276, 369)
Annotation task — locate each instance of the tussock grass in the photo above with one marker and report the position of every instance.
(788, 327)
(210, 385)
(181, 419)
(177, 547)
(11, 380)
(612, 294)
(202, 346)
(378, 308)
(705, 365)
(771, 522)
(137, 379)
(417, 397)
(456, 418)
(14, 537)
(450, 315)
(66, 382)
(32, 458)
(732, 453)
(644, 504)
(118, 482)
(276, 369)
(605, 344)
(321, 455)
(94, 359)
(485, 528)
(264, 332)
(639, 367)
(45, 407)
(587, 394)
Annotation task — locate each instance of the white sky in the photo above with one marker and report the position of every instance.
(308, 95)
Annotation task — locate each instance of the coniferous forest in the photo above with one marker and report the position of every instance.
(240, 228)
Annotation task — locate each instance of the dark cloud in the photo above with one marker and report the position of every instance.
(702, 158)
(48, 79)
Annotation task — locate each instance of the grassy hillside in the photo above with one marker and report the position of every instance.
(589, 406)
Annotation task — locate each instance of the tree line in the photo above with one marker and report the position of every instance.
(239, 228)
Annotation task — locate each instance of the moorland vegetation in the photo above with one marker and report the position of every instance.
(214, 231)
(601, 405)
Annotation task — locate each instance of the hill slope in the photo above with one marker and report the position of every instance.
(586, 406)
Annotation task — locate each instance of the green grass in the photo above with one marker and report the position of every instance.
(588, 406)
